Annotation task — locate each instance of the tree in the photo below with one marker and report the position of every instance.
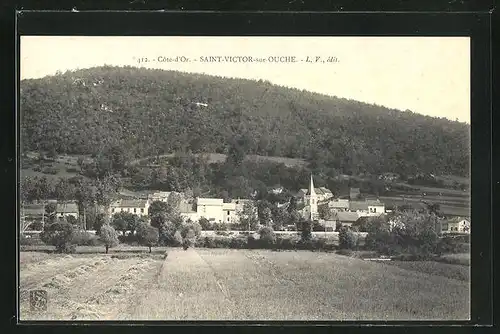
(100, 220)
(189, 232)
(247, 217)
(86, 197)
(50, 210)
(174, 201)
(347, 238)
(109, 237)
(267, 236)
(294, 218)
(280, 217)
(305, 230)
(124, 221)
(265, 215)
(59, 234)
(64, 191)
(324, 212)
(204, 223)
(147, 235)
(433, 208)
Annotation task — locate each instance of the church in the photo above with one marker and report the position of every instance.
(311, 199)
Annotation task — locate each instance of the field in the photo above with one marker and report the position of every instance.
(212, 284)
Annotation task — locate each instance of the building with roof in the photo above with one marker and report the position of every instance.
(161, 196)
(138, 207)
(212, 209)
(67, 209)
(367, 207)
(322, 194)
(338, 204)
(345, 218)
(456, 225)
(310, 201)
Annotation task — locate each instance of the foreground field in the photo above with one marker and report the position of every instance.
(213, 284)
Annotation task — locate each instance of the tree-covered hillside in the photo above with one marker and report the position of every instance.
(149, 112)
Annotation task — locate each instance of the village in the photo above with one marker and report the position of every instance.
(319, 205)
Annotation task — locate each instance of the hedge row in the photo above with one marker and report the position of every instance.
(251, 242)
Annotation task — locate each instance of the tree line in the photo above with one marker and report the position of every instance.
(150, 112)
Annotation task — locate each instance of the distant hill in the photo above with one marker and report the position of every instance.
(150, 112)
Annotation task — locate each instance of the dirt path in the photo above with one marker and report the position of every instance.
(187, 288)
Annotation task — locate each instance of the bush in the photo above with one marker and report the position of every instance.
(306, 230)
(130, 239)
(28, 241)
(59, 234)
(452, 246)
(220, 227)
(238, 243)
(189, 239)
(267, 237)
(82, 238)
(285, 243)
(205, 224)
(109, 237)
(347, 239)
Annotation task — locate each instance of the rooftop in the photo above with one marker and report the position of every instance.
(130, 203)
(210, 201)
(67, 208)
(346, 216)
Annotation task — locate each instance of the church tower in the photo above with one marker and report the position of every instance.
(313, 201)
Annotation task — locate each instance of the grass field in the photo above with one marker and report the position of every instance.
(221, 284)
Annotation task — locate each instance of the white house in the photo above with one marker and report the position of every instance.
(456, 225)
(230, 213)
(211, 209)
(139, 207)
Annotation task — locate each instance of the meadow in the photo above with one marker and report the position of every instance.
(227, 284)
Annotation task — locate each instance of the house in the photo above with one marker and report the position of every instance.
(229, 212)
(161, 196)
(67, 209)
(211, 209)
(338, 204)
(367, 207)
(456, 225)
(136, 206)
(345, 218)
(33, 211)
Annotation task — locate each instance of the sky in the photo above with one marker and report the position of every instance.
(427, 75)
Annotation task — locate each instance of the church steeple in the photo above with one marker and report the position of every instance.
(313, 201)
(312, 192)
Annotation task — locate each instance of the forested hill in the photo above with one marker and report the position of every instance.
(153, 111)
